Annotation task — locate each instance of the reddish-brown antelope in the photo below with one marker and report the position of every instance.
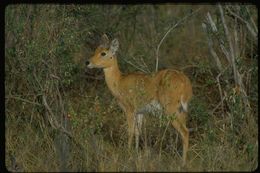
(167, 90)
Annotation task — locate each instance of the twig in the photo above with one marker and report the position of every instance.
(237, 76)
(160, 153)
(216, 107)
(211, 22)
(197, 154)
(135, 66)
(52, 121)
(145, 65)
(236, 48)
(62, 129)
(252, 21)
(169, 30)
(220, 90)
(210, 42)
(189, 66)
(226, 53)
(24, 100)
(251, 30)
(232, 56)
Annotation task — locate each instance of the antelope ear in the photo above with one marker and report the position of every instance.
(104, 41)
(114, 46)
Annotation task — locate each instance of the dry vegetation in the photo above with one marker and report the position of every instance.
(61, 117)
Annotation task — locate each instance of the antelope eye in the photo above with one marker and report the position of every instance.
(103, 54)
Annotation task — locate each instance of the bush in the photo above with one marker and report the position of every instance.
(59, 119)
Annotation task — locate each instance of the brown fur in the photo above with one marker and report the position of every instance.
(134, 91)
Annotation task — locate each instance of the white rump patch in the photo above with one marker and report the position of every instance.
(184, 105)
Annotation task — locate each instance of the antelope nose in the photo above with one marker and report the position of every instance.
(87, 62)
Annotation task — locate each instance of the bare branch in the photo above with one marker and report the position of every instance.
(237, 76)
(253, 30)
(236, 48)
(226, 53)
(51, 118)
(220, 89)
(210, 44)
(232, 56)
(169, 30)
(135, 66)
(24, 100)
(252, 21)
(211, 22)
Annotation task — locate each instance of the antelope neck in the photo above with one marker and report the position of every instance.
(112, 77)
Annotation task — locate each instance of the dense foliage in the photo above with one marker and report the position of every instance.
(60, 116)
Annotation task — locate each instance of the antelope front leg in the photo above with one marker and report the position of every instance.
(138, 129)
(131, 128)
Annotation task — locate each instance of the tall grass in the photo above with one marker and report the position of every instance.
(61, 116)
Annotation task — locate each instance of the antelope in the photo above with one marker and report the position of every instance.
(136, 93)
